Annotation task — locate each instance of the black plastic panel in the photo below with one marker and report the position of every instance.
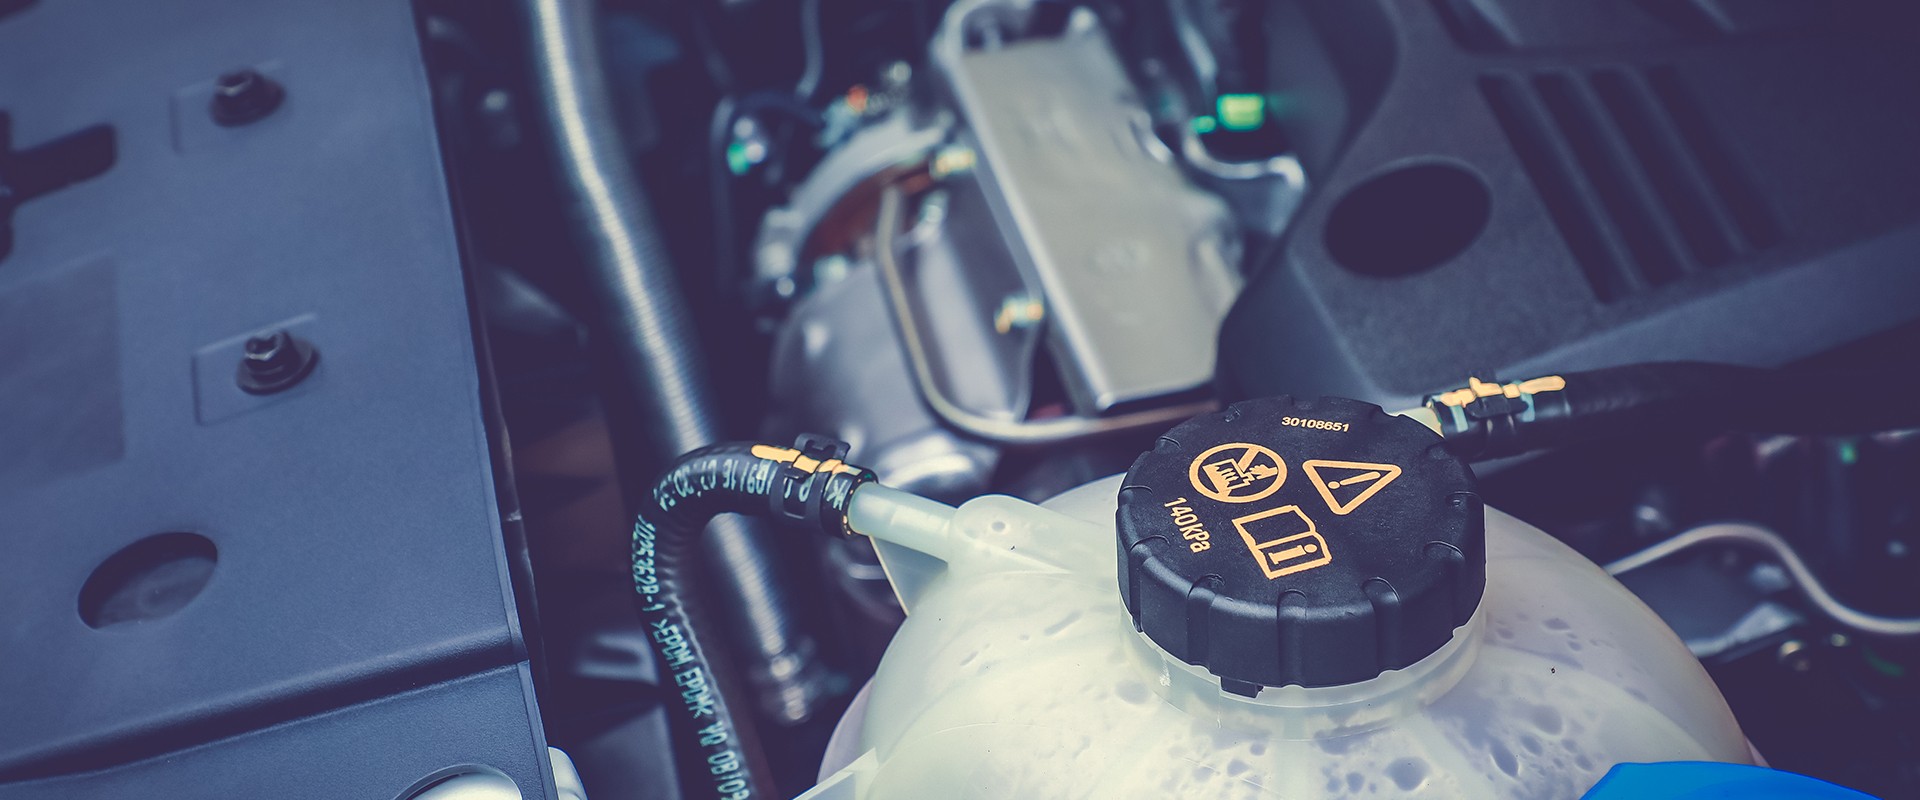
(377, 750)
(1731, 181)
(356, 550)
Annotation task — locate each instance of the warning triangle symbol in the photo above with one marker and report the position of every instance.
(1347, 484)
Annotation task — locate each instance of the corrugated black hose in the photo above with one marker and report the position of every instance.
(805, 487)
(646, 322)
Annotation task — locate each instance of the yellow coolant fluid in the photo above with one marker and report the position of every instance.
(1286, 599)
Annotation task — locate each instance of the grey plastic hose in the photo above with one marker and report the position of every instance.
(646, 322)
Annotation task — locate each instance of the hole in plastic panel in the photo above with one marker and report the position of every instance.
(147, 580)
(1408, 220)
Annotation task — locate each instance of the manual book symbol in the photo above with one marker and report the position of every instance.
(1356, 481)
(1284, 541)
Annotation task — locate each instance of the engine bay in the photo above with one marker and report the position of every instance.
(340, 348)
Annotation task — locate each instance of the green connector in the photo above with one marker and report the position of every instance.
(1242, 112)
(739, 160)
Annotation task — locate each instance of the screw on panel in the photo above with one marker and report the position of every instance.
(274, 362)
(244, 96)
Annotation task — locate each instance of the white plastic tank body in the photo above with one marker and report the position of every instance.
(1020, 673)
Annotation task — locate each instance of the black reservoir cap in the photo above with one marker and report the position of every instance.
(1290, 541)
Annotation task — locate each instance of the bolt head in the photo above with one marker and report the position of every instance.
(234, 84)
(244, 96)
(265, 347)
(274, 362)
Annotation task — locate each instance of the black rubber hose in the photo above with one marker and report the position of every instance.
(805, 487)
(645, 320)
(639, 291)
(1492, 420)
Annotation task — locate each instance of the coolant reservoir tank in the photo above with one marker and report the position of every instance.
(1293, 599)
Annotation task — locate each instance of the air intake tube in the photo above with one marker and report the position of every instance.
(805, 487)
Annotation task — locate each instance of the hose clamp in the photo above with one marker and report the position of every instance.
(799, 490)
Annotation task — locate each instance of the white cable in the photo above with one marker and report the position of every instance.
(813, 45)
(1760, 538)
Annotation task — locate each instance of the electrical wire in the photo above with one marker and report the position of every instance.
(726, 111)
(1004, 431)
(720, 194)
(1757, 537)
(1285, 167)
(813, 44)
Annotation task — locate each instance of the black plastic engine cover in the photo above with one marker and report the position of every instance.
(296, 588)
(1515, 187)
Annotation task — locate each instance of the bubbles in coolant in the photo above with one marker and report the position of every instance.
(1546, 718)
(1408, 773)
(1056, 628)
(1058, 698)
(1503, 758)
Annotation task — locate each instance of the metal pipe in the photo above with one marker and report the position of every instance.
(1003, 431)
(1760, 538)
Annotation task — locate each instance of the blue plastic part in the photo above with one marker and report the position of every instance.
(1700, 780)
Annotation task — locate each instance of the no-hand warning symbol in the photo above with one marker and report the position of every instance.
(1347, 484)
(1237, 472)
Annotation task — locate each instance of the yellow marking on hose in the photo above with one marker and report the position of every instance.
(1477, 389)
(777, 454)
(785, 455)
(1550, 383)
(1456, 398)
